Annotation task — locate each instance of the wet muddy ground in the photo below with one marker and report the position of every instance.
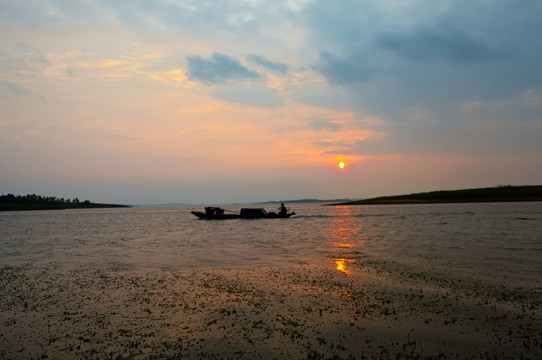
(375, 309)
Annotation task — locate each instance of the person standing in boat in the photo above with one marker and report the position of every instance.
(282, 209)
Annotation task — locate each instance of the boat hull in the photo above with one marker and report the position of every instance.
(206, 216)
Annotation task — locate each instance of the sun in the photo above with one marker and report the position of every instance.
(341, 164)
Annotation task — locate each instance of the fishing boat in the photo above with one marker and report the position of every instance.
(217, 213)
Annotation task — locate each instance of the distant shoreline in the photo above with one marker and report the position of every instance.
(29, 202)
(409, 202)
(26, 207)
(479, 195)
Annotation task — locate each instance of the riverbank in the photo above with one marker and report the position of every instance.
(491, 194)
(31, 207)
(12, 202)
(376, 309)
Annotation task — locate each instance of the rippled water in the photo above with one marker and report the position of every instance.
(487, 238)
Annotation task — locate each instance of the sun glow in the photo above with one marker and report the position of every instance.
(341, 164)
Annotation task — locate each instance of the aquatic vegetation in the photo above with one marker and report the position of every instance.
(383, 309)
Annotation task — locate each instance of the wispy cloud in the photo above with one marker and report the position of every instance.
(323, 124)
(219, 68)
(15, 88)
(278, 67)
(254, 96)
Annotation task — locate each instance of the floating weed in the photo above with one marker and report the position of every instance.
(291, 312)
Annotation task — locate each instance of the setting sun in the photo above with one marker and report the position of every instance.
(341, 165)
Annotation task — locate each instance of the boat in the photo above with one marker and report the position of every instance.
(217, 213)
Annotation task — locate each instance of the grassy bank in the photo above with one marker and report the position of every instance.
(490, 194)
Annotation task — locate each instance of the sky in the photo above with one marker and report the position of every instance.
(209, 102)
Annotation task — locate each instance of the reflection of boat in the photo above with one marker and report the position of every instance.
(216, 213)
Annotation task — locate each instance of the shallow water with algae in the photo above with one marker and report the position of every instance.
(418, 281)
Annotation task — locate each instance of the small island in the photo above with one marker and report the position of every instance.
(491, 194)
(12, 202)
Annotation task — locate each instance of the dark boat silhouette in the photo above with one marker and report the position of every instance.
(217, 213)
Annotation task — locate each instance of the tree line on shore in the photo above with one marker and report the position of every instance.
(37, 199)
(11, 202)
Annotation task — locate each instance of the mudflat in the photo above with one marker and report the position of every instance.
(365, 308)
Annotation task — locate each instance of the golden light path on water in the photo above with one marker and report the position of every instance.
(344, 235)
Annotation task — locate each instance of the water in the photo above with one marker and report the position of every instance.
(487, 238)
(462, 280)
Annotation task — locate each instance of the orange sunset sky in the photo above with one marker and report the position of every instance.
(146, 102)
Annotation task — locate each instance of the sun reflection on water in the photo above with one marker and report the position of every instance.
(345, 242)
(340, 264)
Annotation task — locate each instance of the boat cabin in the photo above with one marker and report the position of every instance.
(253, 213)
(209, 210)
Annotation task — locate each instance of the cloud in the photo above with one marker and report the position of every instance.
(254, 96)
(219, 68)
(423, 55)
(23, 58)
(15, 88)
(324, 125)
(480, 128)
(444, 41)
(268, 64)
(334, 25)
(343, 70)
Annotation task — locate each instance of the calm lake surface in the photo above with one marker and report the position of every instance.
(453, 281)
(493, 240)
